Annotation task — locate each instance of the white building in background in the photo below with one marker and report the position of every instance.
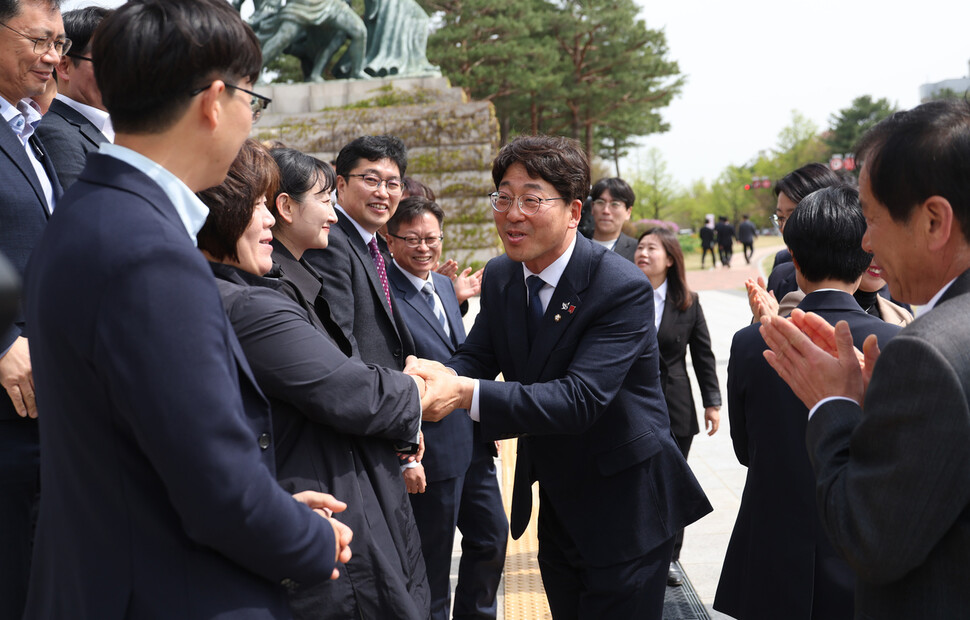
(957, 85)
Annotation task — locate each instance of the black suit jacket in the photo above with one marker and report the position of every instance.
(23, 217)
(356, 297)
(782, 280)
(586, 401)
(893, 477)
(779, 562)
(625, 246)
(69, 136)
(449, 442)
(335, 420)
(157, 456)
(680, 329)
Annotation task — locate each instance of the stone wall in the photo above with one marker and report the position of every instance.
(451, 142)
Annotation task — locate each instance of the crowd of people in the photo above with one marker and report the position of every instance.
(241, 384)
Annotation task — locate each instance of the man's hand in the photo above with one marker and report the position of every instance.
(415, 480)
(325, 505)
(761, 301)
(812, 372)
(445, 390)
(449, 268)
(712, 419)
(468, 284)
(16, 377)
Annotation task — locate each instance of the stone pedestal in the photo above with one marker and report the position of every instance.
(451, 142)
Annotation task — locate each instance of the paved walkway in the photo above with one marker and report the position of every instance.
(712, 459)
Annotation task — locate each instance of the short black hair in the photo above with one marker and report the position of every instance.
(803, 181)
(79, 25)
(559, 161)
(414, 187)
(372, 148)
(150, 54)
(252, 175)
(824, 235)
(618, 188)
(410, 209)
(919, 153)
(11, 8)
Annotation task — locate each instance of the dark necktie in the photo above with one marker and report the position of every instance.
(535, 285)
(375, 254)
(436, 309)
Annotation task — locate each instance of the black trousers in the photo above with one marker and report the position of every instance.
(19, 497)
(704, 252)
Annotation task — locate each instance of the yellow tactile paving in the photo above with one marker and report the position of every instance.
(524, 596)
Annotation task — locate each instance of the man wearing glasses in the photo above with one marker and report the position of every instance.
(159, 495)
(612, 206)
(76, 122)
(570, 325)
(31, 43)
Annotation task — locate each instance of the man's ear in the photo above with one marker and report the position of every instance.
(64, 68)
(210, 105)
(937, 221)
(575, 213)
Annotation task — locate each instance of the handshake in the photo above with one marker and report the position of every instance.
(441, 390)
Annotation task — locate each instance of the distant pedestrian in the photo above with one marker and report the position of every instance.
(707, 242)
(725, 240)
(746, 235)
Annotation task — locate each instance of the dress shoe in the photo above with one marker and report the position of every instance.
(674, 576)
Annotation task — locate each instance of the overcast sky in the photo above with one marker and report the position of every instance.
(749, 63)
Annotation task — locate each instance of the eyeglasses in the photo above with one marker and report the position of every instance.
(42, 45)
(372, 181)
(79, 57)
(257, 102)
(778, 220)
(616, 204)
(528, 204)
(415, 242)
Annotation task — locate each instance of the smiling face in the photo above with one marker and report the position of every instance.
(254, 246)
(421, 260)
(371, 208)
(609, 217)
(22, 72)
(652, 259)
(784, 209)
(539, 239)
(305, 224)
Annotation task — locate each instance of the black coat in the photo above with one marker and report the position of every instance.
(779, 562)
(678, 330)
(334, 422)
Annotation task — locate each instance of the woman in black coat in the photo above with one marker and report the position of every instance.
(335, 418)
(680, 324)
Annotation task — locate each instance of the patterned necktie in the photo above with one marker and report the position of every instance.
(535, 313)
(375, 254)
(439, 312)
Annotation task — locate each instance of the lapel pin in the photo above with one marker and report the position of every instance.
(572, 309)
(557, 318)
(565, 305)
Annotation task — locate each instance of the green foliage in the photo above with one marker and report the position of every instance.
(653, 186)
(586, 68)
(388, 96)
(948, 93)
(848, 124)
(285, 69)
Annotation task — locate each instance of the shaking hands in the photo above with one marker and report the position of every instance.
(444, 391)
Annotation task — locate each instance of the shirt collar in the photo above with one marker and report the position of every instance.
(551, 274)
(98, 117)
(661, 291)
(190, 209)
(921, 310)
(417, 282)
(26, 111)
(365, 235)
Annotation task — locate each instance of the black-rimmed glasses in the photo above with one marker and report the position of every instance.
(528, 204)
(257, 102)
(78, 57)
(60, 46)
(372, 181)
(415, 242)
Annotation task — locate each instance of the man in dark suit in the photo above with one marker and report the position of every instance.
(725, 240)
(76, 122)
(159, 495)
(888, 440)
(780, 561)
(747, 233)
(611, 207)
(462, 490)
(29, 189)
(707, 242)
(353, 268)
(570, 326)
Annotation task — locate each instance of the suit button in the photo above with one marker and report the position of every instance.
(397, 353)
(264, 441)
